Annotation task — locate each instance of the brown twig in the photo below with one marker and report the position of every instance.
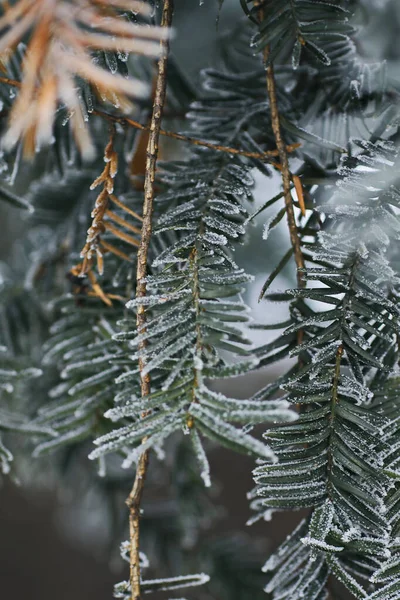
(135, 497)
(12, 82)
(286, 180)
(284, 161)
(287, 176)
(284, 168)
(184, 138)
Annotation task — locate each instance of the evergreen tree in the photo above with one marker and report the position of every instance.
(123, 310)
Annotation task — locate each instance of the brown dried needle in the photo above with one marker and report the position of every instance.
(102, 216)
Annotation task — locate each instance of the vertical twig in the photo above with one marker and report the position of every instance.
(285, 171)
(283, 157)
(135, 497)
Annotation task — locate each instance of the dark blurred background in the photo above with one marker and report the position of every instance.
(37, 558)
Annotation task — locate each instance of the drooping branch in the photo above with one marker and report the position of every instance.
(135, 497)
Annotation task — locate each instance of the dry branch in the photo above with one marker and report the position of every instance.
(135, 497)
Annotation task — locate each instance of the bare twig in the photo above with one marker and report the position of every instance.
(287, 177)
(284, 168)
(284, 161)
(184, 138)
(12, 82)
(135, 497)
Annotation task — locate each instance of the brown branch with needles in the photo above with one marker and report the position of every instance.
(105, 219)
(95, 245)
(62, 37)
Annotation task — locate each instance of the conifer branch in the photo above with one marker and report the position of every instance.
(135, 497)
(125, 373)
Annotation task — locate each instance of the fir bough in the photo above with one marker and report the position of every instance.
(127, 307)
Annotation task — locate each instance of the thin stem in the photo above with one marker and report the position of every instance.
(284, 168)
(286, 175)
(283, 157)
(135, 497)
(8, 81)
(184, 138)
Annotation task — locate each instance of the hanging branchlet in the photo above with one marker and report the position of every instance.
(93, 241)
(337, 457)
(95, 245)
